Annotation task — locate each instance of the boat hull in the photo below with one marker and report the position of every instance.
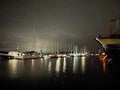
(111, 47)
(4, 57)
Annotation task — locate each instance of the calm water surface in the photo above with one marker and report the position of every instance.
(74, 72)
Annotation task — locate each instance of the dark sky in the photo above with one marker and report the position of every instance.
(63, 22)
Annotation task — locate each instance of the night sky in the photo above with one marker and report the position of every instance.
(61, 22)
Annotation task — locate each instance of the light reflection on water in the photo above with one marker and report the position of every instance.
(83, 65)
(62, 70)
(57, 67)
(54, 67)
(14, 66)
(49, 67)
(38, 68)
(104, 66)
(43, 67)
(64, 64)
(32, 66)
(75, 64)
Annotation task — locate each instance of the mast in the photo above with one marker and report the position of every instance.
(34, 37)
(117, 31)
(116, 27)
(110, 28)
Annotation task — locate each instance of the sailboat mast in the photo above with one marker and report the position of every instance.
(117, 25)
(116, 31)
(34, 39)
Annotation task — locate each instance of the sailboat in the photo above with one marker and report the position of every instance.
(75, 52)
(84, 51)
(16, 54)
(111, 43)
(33, 54)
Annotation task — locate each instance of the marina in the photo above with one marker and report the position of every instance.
(59, 44)
(16, 54)
(62, 66)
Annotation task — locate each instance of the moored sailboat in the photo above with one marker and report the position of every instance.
(33, 54)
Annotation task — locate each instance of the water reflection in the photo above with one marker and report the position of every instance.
(49, 67)
(64, 65)
(75, 64)
(42, 67)
(83, 65)
(41, 63)
(52, 67)
(14, 66)
(104, 66)
(45, 62)
(69, 71)
(57, 67)
(32, 66)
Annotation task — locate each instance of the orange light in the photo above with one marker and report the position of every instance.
(103, 57)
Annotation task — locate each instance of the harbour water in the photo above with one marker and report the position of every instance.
(71, 72)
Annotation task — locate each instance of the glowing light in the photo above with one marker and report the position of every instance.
(32, 65)
(49, 67)
(58, 66)
(104, 67)
(13, 67)
(41, 62)
(64, 65)
(82, 65)
(75, 64)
